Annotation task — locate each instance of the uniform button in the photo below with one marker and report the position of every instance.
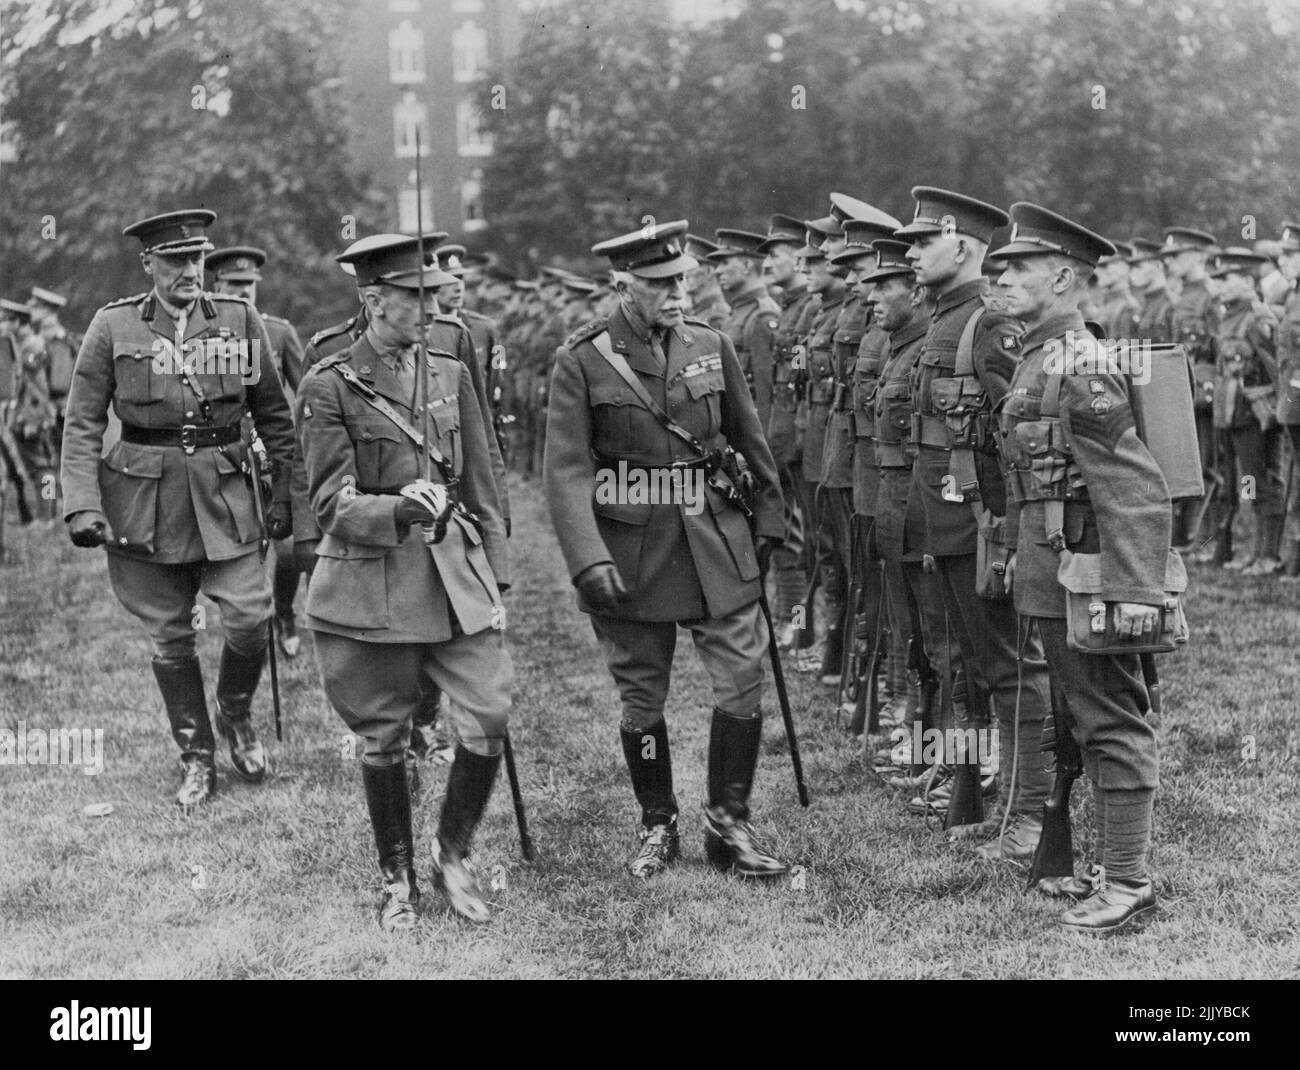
(189, 416)
(122, 541)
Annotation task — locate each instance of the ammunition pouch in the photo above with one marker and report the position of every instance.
(991, 555)
(961, 401)
(1090, 620)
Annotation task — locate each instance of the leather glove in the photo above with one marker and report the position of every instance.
(410, 512)
(763, 548)
(89, 528)
(279, 520)
(602, 588)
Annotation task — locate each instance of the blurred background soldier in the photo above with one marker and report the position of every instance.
(751, 323)
(642, 568)
(785, 237)
(1155, 316)
(61, 347)
(1086, 457)
(15, 386)
(1245, 406)
(396, 609)
(1117, 308)
(1184, 253)
(32, 415)
(236, 270)
(1288, 406)
(962, 375)
(171, 501)
(702, 284)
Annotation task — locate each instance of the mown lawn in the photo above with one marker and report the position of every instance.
(281, 880)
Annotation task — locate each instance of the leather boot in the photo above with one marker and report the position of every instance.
(390, 817)
(285, 587)
(650, 765)
(1113, 906)
(729, 841)
(469, 786)
(236, 682)
(181, 682)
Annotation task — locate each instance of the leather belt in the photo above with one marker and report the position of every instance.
(891, 455)
(930, 431)
(189, 437)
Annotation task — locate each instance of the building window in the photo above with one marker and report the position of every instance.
(469, 52)
(407, 220)
(471, 201)
(471, 139)
(406, 53)
(409, 115)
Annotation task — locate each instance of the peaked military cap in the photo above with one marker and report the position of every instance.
(451, 258)
(782, 228)
(1185, 239)
(578, 287)
(1143, 249)
(737, 243)
(700, 248)
(394, 259)
(238, 263)
(48, 297)
(825, 227)
(653, 252)
(16, 309)
(846, 208)
(891, 260)
(1290, 238)
(1236, 258)
(858, 236)
(1123, 252)
(174, 232)
(1036, 231)
(940, 210)
(499, 274)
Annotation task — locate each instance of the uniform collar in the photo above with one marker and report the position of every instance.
(967, 291)
(1052, 327)
(910, 331)
(793, 294)
(749, 294)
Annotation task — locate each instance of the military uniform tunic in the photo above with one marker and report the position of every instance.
(751, 327)
(781, 434)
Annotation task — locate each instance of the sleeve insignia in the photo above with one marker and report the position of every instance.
(1010, 341)
(1096, 386)
(1100, 404)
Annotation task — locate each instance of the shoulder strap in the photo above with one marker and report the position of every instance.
(381, 405)
(615, 360)
(965, 364)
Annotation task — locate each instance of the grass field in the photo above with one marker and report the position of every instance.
(281, 880)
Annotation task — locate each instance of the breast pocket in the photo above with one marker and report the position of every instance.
(446, 421)
(381, 453)
(222, 366)
(138, 381)
(613, 419)
(709, 387)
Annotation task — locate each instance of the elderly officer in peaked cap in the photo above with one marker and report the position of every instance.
(961, 376)
(1101, 504)
(648, 395)
(406, 590)
(236, 270)
(172, 501)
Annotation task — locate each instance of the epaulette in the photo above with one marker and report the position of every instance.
(586, 332)
(126, 300)
(275, 319)
(330, 361)
(442, 353)
(228, 297)
(333, 332)
(698, 323)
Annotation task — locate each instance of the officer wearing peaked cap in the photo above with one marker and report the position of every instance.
(752, 322)
(237, 272)
(1245, 402)
(961, 375)
(644, 565)
(406, 591)
(171, 500)
(702, 286)
(1101, 506)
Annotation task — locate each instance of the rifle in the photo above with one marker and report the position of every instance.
(16, 471)
(866, 644)
(260, 471)
(1054, 855)
(966, 806)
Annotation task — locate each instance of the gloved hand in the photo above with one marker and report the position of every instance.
(602, 588)
(89, 528)
(763, 547)
(279, 520)
(410, 512)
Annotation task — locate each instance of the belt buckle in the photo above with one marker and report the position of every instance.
(189, 437)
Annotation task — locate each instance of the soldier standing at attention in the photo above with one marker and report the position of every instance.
(961, 375)
(1117, 308)
(1288, 361)
(1155, 316)
(751, 326)
(406, 591)
(650, 390)
(702, 287)
(171, 501)
(237, 271)
(1116, 506)
(61, 347)
(1245, 345)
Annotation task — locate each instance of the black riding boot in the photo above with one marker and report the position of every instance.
(469, 786)
(181, 682)
(650, 765)
(390, 817)
(729, 841)
(236, 682)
